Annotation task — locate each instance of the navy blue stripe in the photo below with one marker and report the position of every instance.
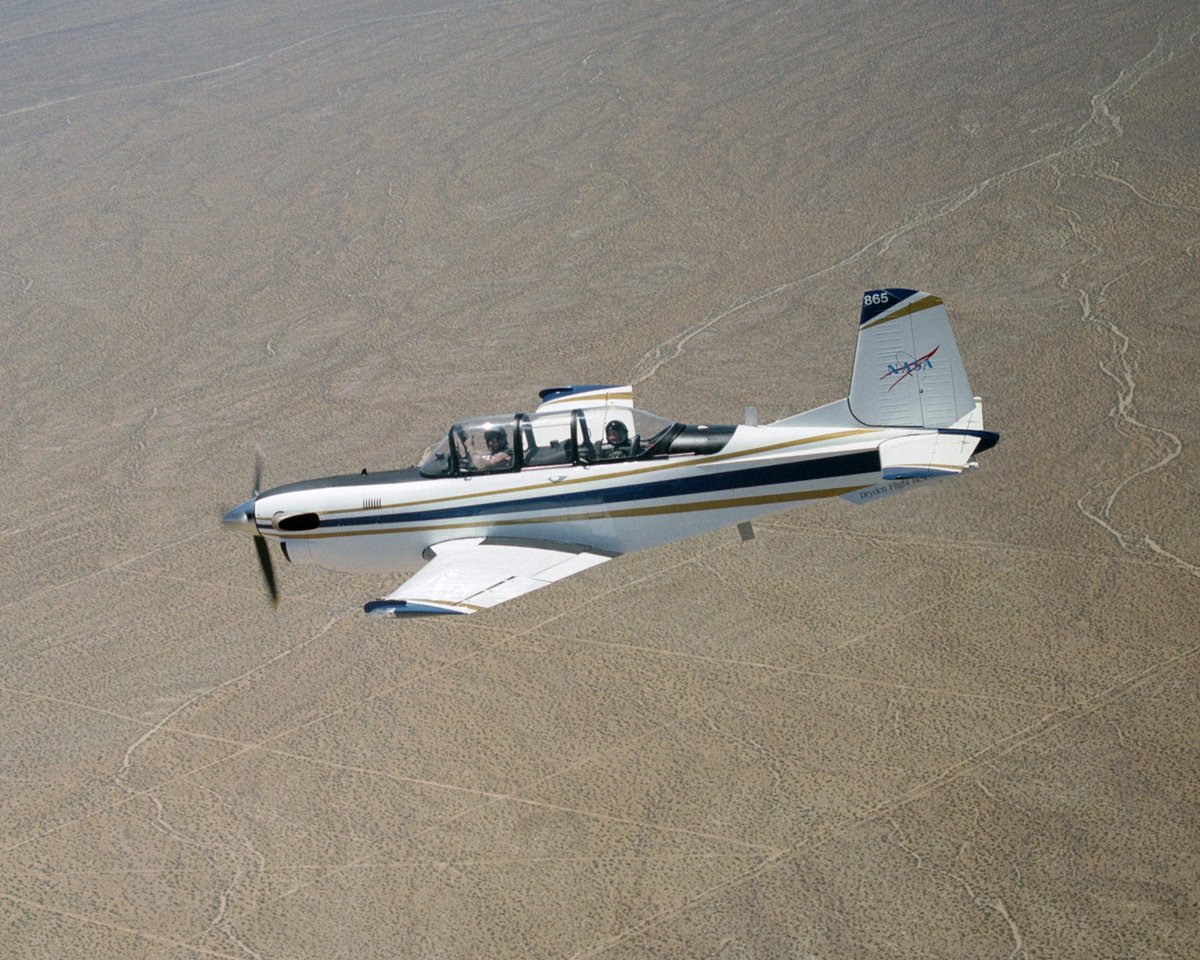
(848, 464)
(876, 302)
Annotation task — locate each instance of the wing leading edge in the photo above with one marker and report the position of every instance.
(475, 573)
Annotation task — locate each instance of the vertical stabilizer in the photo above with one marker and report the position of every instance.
(907, 370)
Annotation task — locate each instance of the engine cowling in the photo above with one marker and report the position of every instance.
(297, 551)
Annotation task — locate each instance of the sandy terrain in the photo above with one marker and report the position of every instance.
(956, 723)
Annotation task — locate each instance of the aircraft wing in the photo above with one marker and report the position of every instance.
(474, 573)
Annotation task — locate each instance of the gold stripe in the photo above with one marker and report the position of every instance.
(903, 310)
(636, 471)
(686, 507)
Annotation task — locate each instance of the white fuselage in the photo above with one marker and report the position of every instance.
(382, 527)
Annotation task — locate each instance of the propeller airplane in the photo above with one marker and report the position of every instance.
(506, 504)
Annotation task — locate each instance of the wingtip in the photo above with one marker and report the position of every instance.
(397, 609)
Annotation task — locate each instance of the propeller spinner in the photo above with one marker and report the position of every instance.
(241, 519)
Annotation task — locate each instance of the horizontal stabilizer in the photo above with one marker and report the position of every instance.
(905, 462)
(925, 455)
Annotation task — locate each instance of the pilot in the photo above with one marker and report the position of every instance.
(498, 456)
(616, 441)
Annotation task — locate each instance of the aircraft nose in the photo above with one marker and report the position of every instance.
(241, 518)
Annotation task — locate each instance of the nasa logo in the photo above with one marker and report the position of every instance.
(903, 368)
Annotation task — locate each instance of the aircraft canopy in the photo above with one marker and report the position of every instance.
(516, 441)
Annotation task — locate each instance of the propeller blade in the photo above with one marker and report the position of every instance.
(258, 468)
(268, 571)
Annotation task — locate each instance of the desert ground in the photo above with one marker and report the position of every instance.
(961, 722)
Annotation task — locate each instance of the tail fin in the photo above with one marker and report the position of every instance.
(907, 370)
